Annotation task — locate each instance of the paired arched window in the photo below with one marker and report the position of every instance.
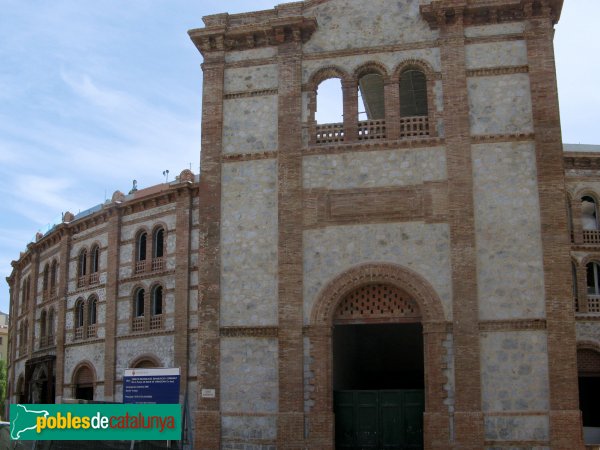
(47, 328)
(25, 294)
(152, 244)
(82, 263)
(49, 280)
(53, 275)
(88, 266)
(154, 303)
(46, 277)
(86, 317)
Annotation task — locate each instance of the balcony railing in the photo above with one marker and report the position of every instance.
(593, 304)
(91, 331)
(414, 126)
(46, 341)
(158, 264)
(329, 133)
(371, 129)
(140, 266)
(79, 333)
(156, 322)
(138, 324)
(82, 281)
(591, 236)
(94, 278)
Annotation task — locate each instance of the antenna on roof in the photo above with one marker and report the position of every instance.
(166, 175)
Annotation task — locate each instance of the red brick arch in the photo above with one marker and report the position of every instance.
(435, 332)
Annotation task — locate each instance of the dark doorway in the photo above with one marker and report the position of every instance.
(378, 386)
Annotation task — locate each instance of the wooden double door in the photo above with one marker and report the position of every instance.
(381, 419)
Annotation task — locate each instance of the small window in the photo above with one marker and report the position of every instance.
(83, 263)
(53, 274)
(95, 259)
(46, 276)
(139, 303)
(157, 300)
(79, 314)
(43, 324)
(158, 243)
(50, 327)
(141, 247)
(589, 213)
(92, 314)
(593, 278)
(413, 93)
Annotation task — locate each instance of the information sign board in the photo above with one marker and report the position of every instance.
(151, 386)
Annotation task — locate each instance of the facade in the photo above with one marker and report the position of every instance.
(403, 281)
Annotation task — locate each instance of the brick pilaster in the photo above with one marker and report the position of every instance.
(350, 94)
(565, 420)
(182, 282)
(290, 292)
(208, 420)
(32, 299)
(112, 294)
(468, 418)
(63, 287)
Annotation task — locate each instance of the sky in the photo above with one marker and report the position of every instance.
(94, 94)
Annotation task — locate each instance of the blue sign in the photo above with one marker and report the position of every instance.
(151, 386)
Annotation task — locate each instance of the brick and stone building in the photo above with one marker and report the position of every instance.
(427, 275)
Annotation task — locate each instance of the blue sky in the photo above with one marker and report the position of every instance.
(96, 94)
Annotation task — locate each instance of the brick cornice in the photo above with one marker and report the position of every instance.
(223, 34)
(440, 13)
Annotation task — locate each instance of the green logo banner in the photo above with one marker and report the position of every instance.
(108, 422)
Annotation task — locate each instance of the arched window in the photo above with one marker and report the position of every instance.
(413, 93)
(157, 301)
(593, 286)
(371, 99)
(92, 317)
(92, 310)
(330, 102)
(139, 303)
(45, 279)
(158, 243)
(79, 313)
(53, 275)
(84, 383)
(589, 213)
(145, 364)
(588, 368)
(95, 259)
(50, 327)
(83, 263)
(141, 246)
(43, 327)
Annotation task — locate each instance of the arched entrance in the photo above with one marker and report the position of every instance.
(378, 369)
(83, 383)
(588, 368)
(376, 348)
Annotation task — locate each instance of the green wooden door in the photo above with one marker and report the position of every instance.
(379, 419)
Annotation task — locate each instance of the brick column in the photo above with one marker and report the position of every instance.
(565, 419)
(392, 108)
(182, 282)
(468, 418)
(63, 287)
(291, 393)
(112, 294)
(13, 283)
(350, 91)
(208, 416)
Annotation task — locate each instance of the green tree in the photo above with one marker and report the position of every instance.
(3, 377)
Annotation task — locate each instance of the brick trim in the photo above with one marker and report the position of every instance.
(249, 332)
(512, 325)
(495, 71)
(239, 157)
(245, 94)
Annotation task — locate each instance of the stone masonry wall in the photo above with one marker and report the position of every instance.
(249, 243)
(509, 259)
(500, 104)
